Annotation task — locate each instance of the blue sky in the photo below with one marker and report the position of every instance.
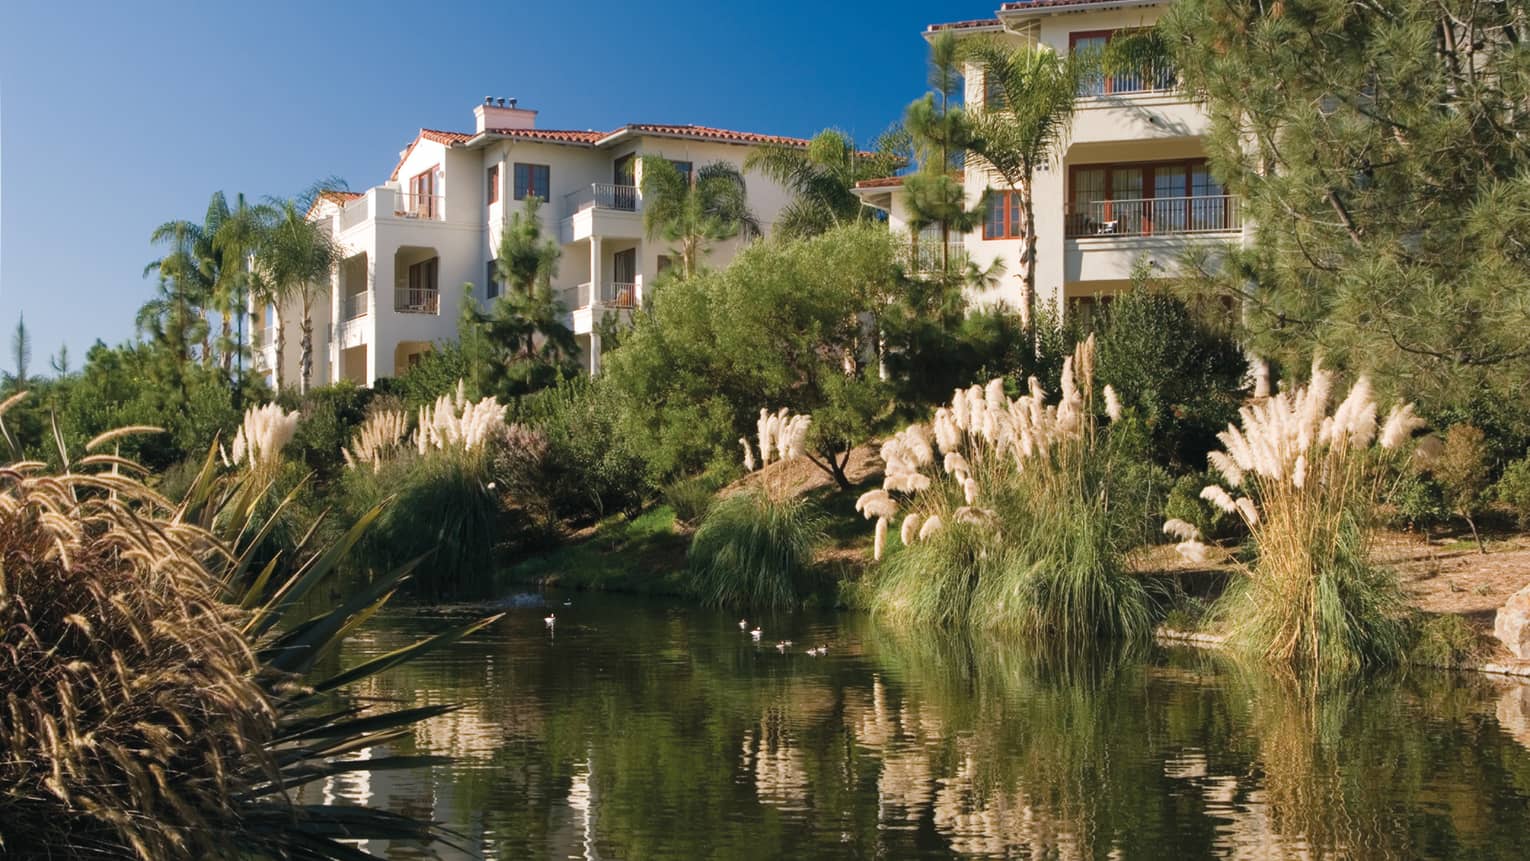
(115, 117)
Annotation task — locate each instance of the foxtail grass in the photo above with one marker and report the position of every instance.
(161, 696)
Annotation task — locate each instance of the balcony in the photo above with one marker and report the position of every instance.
(426, 207)
(930, 256)
(602, 195)
(417, 300)
(1147, 78)
(614, 294)
(1156, 216)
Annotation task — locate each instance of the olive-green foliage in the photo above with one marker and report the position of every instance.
(1186, 377)
(691, 498)
(436, 374)
(1446, 640)
(772, 329)
(1462, 471)
(1513, 489)
(1417, 501)
(756, 552)
(595, 466)
(1184, 503)
(329, 418)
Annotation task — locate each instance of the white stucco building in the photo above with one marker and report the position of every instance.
(413, 242)
(1130, 181)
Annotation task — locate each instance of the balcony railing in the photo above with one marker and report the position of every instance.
(1148, 78)
(614, 294)
(928, 255)
(602, 195)
(417, 300)
(423, 206)
(1157, 216)
(353, 306)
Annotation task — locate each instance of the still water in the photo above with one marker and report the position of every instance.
(640, 730)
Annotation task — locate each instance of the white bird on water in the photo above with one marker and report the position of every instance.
(552, 619)
(756, 633)
(743, 624)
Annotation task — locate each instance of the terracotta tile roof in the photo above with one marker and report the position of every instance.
(707, 133)
(552, 135)
(964, 25)
(441, 137)
(338, 196)
(1021, 5)
(882, 182)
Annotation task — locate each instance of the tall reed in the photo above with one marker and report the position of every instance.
(1029, 484)
(1310, 482)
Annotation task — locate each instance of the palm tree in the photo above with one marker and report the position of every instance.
(190, 267)
(293, 257)
(1036, 89)
(240, 233)
(822, 178)
(695, 214)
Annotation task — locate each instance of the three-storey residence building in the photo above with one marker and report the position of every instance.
(410, 244)
(1129, 182)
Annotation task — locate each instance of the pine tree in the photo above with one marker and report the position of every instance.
(1382, 154)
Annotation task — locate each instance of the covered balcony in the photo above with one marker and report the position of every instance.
(1155, 216)
(416, 284)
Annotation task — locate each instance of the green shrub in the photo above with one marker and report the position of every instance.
(1184, 503)
(330, 415)
(1513, 489)
(436, 374)
(1446, 640)
(752, 551)
(1185, 376)
(596, 468)
(1416, 500)
(691, 498)
(441, 511)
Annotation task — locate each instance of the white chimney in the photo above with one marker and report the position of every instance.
(497, 113)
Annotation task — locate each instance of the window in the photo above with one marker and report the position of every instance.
(532, 179)
(491, 194)
(1004, 219)
(422, 194)
(683, 168)
(667, 262)
(491, 279)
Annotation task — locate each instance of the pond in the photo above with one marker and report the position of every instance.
(642, 730)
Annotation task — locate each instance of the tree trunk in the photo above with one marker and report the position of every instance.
(1028, 279)
(227, 358)
(306, 360)
(281, 349)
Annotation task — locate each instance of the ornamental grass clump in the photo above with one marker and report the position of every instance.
(1007, 515)
(262, 435)
(453, 421)
(755, 548)
(1306, 484)
(379, 439)
(158, 702)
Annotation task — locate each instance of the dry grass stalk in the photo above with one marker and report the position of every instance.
(378, 439)
(456, 422)
(264, 433)
(130, 700)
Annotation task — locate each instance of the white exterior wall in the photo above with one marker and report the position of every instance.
(464, 238)
(1136, 127)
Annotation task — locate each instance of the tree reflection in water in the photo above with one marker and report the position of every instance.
(653, 732)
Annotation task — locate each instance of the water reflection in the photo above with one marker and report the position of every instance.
(645, 731)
